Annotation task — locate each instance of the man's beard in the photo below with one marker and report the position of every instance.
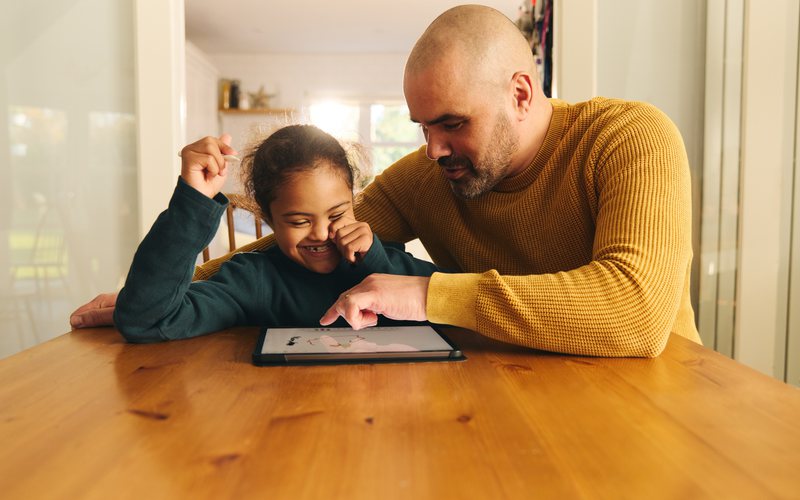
(492, 167)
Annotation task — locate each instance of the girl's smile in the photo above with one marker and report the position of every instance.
(320, 249)
(308, 202)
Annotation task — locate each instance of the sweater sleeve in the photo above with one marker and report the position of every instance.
(158, 302)
(391, 258)
(625, 300)
(375, 207)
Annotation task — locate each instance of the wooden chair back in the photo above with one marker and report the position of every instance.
(236, 201)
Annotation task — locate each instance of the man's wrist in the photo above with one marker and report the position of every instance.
(452, 299)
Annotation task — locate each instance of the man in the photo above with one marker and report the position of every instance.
(570, 224)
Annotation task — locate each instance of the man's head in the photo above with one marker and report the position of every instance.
(469, 82)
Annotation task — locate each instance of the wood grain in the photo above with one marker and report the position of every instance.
(88, 416)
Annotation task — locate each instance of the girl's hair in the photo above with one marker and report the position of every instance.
(289, 150)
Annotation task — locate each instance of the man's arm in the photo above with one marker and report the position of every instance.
(394, 296)
(97, 312)
(384, 263)
(632, 294)
(622, 303)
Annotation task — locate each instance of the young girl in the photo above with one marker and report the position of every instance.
(302, 181)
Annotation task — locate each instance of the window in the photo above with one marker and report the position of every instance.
(382, 127)
(339, 119)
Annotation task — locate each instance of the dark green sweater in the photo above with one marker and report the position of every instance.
(160, 301)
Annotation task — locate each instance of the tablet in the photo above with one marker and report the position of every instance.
(281, 346)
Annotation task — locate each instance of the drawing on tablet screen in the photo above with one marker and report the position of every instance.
(354, 343)
(343, 340)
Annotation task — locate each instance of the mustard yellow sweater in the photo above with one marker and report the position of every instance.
(587, 251)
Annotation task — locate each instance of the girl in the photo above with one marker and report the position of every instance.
(302, 181)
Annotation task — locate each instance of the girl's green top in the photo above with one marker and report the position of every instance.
(160, 302)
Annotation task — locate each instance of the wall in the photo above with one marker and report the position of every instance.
(201, 94)
(655, 52)
(768, 170)
(296, 78)
(160, 105)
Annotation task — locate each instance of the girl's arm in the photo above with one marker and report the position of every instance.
(359, 246)
(391, 258)
(158, 301)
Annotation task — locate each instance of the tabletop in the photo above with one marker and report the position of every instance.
(89, 416)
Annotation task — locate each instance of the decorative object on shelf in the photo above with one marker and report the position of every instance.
(235, 91)
(224, 94)
(260, 99)
(244, 100)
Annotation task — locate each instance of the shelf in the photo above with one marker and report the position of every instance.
(258, 111)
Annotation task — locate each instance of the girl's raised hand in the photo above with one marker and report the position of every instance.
(352, 238)
(202, 164)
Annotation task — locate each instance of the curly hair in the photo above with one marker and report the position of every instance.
(289, 150)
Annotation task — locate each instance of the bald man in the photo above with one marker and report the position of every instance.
(570, 224)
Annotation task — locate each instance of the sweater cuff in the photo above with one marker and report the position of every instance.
(375, 260)
(215, 205)
(452, 299)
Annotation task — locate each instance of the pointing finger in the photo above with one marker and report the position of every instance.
(330, 315)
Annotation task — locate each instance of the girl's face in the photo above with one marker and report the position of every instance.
(302, 213)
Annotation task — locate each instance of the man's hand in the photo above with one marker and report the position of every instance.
(98, 312)
(396, 297)
(202, 164)
(352, 238)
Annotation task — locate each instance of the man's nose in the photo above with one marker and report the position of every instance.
(438, 146)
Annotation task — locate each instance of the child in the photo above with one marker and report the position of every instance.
(302, 181)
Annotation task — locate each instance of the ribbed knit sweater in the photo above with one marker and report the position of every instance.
(587, 251)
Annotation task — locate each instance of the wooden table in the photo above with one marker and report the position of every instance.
(88, 416)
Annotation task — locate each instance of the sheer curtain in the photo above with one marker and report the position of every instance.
(68, 200)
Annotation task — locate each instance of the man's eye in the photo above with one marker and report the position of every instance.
(453, 126)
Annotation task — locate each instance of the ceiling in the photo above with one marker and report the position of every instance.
(315, 26)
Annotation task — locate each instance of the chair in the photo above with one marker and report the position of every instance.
(243, 203)
(44, 261)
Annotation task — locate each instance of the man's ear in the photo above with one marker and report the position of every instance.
(522, 87)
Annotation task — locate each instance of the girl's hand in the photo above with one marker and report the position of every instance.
(202, 164)
(352, 238)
